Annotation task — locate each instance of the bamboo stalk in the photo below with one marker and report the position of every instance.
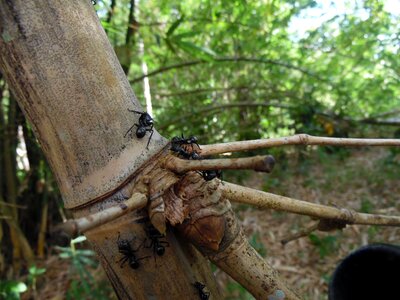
(72, 227)
(299, 139)
(257, 163)
(246, 195)
(242, 262)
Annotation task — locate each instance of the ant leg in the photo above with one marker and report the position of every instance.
(140, 246)
(123, 260)
(143, 257)
(130, 130)
(148, 142)
(135, 111)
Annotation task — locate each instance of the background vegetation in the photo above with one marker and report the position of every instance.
(230, 70)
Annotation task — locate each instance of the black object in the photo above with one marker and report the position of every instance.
(125, 248)
(185, 141)
(371, 272)
(156, 241)
(182, 152)
(146, 124)
(178, 145)
(211, 174)
(200, 288)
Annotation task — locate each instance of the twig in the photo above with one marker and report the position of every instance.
(72, 227)
(301, 233)
(298, 139)
(226, 59)
(257, 163)
(246, 195)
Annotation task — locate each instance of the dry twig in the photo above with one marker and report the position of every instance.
(72, 227)
(261, 199)
(299, 139)
(256, 163)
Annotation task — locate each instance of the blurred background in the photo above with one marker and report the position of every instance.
(226, 70)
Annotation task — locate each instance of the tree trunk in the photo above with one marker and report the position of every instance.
(71, 87)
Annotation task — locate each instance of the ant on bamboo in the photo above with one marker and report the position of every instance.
(185, 141)
(200, 288)
(146, 124)
(185, 154)
(211, 174)
(178, 145)
(129, 254)
(156, 243)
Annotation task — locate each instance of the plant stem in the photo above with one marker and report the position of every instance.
(246, 195)
(72, 227)
(298, 139)
(257, 163)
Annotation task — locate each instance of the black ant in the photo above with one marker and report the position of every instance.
(211, 174)
(200, 288)
(146, 124)
(155, 242)
(185, 141)
(178, 146)
(185, 154)
(125, 248)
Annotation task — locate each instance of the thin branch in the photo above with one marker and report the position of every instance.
(299, 139)
(72, 227)
(246, 195)
(301, 233)
(225, 59)
(221, 107)
(256, 163)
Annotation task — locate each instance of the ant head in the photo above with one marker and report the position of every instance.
(199, 285)
(123, 244)
(160, 250)
(140, 132)
(148, 119)
(134, 264)
(193, 139)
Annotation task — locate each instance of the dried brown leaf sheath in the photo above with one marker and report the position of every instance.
(211, 225)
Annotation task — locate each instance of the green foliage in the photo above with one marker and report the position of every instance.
(11, 290)
(34, 273)
(326, 245)
(81, 260)
(313, 78)
(366, 206)
(236, 292)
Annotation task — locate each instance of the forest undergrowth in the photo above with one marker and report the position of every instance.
(364, 180)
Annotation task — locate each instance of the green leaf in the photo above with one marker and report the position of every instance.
(79, 239)
(195, 50)
(175, 25)
(185, 35)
